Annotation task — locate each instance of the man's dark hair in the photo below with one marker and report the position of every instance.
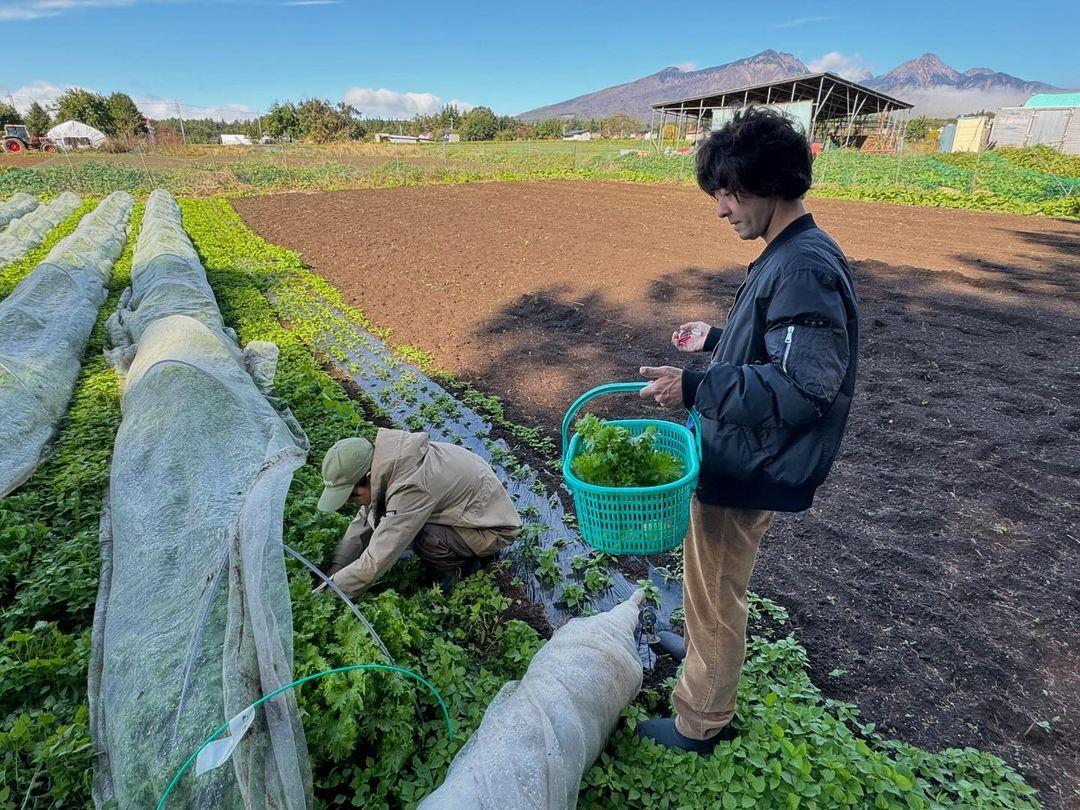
(760, 152)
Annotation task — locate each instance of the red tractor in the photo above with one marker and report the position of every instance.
(18, 140)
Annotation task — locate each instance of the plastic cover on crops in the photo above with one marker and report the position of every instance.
(167, 278)
(19, 204)
(29, 230)
(45, 325)
(541, 734)
(193, 620)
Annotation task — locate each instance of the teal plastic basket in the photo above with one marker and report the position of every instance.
(634, 520)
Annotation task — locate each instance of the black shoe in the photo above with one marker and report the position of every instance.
(662, 730)
(672, 644)
(448, 579)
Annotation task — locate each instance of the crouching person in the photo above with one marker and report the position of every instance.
(442, 500)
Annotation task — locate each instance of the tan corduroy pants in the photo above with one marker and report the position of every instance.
(718, 559)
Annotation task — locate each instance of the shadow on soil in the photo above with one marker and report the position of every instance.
(934, 581)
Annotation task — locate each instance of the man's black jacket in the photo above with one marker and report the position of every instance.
(775, 398)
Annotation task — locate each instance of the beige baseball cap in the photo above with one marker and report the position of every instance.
(343, 467)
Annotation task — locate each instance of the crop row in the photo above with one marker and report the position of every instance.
(1026, 181)
(44, 326)
(11, 274)
(31, 229)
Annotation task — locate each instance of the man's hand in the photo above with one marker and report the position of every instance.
(666, 385)
(690, 337)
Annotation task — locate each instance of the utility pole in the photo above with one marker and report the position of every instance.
(180, 113)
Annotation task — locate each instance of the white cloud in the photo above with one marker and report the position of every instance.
(849, 67)
(44, 93)
(950, 101)
(36, 9)
(155, 107)
(799, 21)
(685, 67)
(383, 103)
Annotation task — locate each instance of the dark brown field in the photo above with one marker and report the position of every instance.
(934, 583)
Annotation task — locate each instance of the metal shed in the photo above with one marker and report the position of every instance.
(830, 108)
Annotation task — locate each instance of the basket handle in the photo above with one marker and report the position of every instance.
(616, 388)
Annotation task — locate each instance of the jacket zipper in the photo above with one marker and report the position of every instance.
(787, 347)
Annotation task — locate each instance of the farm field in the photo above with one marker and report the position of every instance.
(528, 293)
(1025, 181)
(931, 584)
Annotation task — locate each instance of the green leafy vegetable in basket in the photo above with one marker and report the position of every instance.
(611, 457)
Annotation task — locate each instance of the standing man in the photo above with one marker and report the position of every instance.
(443, 500)
(773, 403)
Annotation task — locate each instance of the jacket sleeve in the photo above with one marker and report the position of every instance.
(406, 513)
(352, 543)
(808, 348)
(711, 339)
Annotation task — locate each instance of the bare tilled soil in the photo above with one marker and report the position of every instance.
(934, 583)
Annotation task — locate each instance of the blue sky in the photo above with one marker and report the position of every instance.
(236, 57)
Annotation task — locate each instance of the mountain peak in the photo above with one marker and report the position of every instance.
(927, 70)
(933, 86)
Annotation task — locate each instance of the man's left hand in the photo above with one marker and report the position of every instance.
(666, 385)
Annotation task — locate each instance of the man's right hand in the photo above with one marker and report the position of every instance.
(690, 337)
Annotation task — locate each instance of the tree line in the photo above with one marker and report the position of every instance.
(316, 120)
(117, 115)
(321, 121)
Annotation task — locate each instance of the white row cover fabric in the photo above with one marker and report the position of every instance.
(167, 279)
(540, 734)
(77, 130)
(29, 230)
(45, 325)
(19, 204)
(193, 620)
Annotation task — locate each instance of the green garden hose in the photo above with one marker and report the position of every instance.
(294, 684)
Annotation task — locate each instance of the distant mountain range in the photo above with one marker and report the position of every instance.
(927, 82)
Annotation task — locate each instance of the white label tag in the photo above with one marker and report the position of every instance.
(218, 752)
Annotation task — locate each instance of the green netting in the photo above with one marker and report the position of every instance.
(966, 172)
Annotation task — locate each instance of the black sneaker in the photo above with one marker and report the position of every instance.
(662, 730)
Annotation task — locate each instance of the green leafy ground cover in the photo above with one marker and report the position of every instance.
(1034, 180)
(1043, 159)
(984, 182)
(370, 746)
